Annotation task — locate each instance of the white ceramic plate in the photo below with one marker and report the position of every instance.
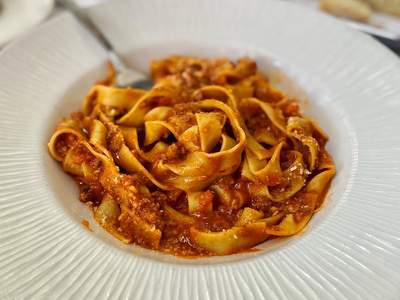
(18, 16)
(351, 249)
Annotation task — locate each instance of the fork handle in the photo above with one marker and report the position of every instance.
(101, 38)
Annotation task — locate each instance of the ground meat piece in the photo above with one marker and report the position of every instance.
(65, 142)
(291, 109)
(264, 91)
(175, 151)
(114, 138)
(261, 203)
(142, 233)
(181, 117)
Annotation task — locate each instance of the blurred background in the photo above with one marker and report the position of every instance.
(379, 18)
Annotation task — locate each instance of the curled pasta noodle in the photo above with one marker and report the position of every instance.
(231, 240)
(212, 160)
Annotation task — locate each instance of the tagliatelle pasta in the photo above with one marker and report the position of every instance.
(212, 160)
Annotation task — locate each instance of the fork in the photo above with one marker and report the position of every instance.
(126, 77)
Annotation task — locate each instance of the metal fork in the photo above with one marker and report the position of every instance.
(126, 77)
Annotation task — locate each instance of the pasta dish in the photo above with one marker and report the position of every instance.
(212, 160)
